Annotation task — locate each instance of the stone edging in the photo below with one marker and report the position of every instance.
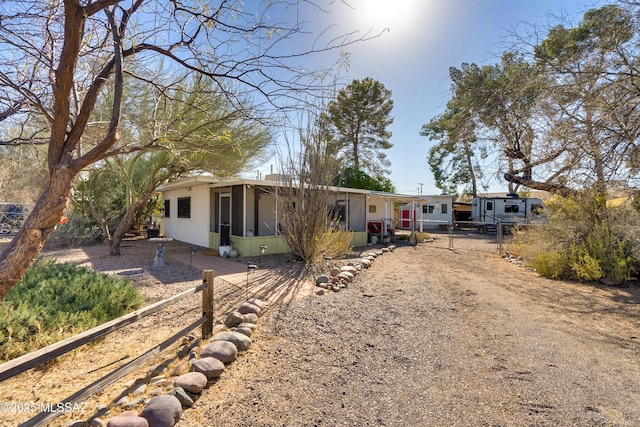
(339, 278)
(177, 383)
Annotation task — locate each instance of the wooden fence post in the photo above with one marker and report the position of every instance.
(207, 302)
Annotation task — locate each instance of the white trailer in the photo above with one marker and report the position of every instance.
(488, 212)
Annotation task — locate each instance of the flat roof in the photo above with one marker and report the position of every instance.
(215, 182)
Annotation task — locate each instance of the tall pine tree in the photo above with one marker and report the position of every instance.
(360, 115)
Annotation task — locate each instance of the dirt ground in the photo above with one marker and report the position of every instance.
(444, 334)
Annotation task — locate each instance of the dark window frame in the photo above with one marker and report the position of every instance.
(184, 207)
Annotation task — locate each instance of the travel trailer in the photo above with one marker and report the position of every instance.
(511, 210)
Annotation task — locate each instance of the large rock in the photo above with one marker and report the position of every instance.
(350, 269)
(334, 272)
(233, 319)
(347, 276)
(244, 331)
(192, 381)
(323, 278)
(250, 318)
(162, 411)
(210, 366)
(242, 342)
(185, 400)
(247, 307)
(224, 351)
(128, 419)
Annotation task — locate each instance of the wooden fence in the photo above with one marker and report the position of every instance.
(28, 361)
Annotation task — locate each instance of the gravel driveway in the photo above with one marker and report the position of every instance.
(436, 337)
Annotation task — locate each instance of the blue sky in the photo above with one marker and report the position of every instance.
(412, 59)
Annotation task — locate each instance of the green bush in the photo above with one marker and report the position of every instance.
(550, 264)
(586, 267)
(54, 301)
(584, 239)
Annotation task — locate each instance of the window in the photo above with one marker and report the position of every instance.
(443, 208)
(167, 209)
(184, 207)
(340, 210)
(511, 208)
(372, 208)
(537, 209)
(489, 206)
(428, 209)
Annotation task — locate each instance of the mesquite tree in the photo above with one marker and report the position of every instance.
(60, 57)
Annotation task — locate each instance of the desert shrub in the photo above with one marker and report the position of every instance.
(335, 242)
(422, 236)
(54, 301)
(77, 229)
(551, 264)
(586, 267)
(583, 240)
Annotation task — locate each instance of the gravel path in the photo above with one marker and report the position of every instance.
(435, 337)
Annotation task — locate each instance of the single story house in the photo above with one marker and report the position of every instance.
(242, 214)
(426, 213)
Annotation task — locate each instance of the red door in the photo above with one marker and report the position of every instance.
(405, 222)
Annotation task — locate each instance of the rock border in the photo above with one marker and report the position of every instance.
(174, 385)
(340, 278)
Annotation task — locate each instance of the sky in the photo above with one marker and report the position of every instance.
(412, 59)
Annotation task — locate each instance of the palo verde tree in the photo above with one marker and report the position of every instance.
(59, 57)
(192, 128)
(360, 116)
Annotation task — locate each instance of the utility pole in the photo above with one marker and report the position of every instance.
(420, 184)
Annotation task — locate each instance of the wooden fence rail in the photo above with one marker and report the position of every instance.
(28, 361)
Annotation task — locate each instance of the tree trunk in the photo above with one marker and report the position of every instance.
(125, 224)
(542, 186)
(472, 173)
(44, 217)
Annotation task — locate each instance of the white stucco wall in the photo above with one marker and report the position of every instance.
(190, 230)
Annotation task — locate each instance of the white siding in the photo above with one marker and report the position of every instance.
(430, 212)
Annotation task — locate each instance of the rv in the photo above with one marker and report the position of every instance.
(488, 212)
